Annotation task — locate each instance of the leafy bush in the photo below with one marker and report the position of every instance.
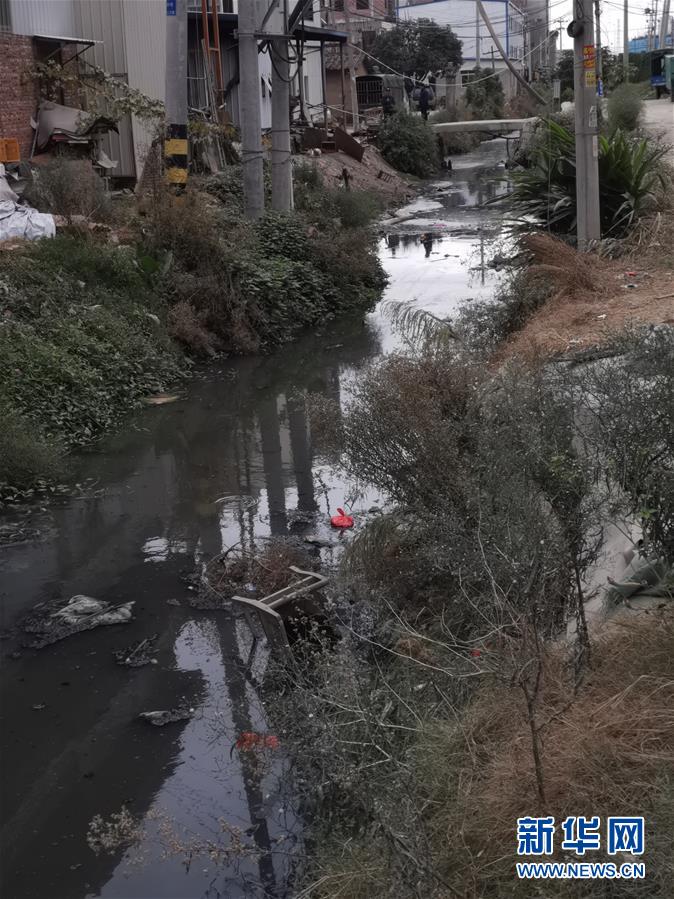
(68, 187)
(408, 144)
(625, 106)
(484, 95)
(24, 452)
(630, 178)
(254, 286)
(78, 346)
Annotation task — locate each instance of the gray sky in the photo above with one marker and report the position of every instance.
(611, 19)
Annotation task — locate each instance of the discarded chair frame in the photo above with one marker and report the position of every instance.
(265, 610)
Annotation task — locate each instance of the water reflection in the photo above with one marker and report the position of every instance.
(232, 461)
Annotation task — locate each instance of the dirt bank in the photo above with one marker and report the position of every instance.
(595, 297)
(371, 174)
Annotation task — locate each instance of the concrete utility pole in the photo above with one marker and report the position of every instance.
(664, 25)
(478, 48)
(587, 141)
(352, 67)
(249, 112)
(626, 45)
(599, 67)
(175, 144)
(281, 163)
(504, 55)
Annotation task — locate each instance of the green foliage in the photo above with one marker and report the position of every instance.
(484, 95)
(625, 107)
(408, 144)
(24, 452)
(79, 348)
(630, 177)
(418, 47)
(254, 286)
(611, 67)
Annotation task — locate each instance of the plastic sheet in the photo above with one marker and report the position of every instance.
(24, 222)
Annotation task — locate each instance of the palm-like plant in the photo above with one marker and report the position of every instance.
(630, 173)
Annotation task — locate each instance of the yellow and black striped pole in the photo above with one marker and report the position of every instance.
(175, 143)
(175, 154)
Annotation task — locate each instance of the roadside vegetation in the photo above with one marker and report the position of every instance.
(634, 180)
(456, 702)
(90, 327)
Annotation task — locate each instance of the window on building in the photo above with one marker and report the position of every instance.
(308, 14)
(263, 88)
(362, 4)
(339, 6)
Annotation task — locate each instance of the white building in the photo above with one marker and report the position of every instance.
(506, 17)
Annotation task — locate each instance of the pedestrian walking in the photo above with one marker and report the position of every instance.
(425, 98)
(388, 103)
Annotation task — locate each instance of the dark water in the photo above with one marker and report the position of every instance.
(230, 461)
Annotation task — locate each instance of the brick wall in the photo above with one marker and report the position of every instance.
(17, 93)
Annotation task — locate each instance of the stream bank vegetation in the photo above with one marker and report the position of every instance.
(457, 700)
(96, 319)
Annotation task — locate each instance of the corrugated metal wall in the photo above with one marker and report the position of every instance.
(133, 49)
(145, 38)
(103, 20)
(48, 17)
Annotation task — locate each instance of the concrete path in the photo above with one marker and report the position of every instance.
(494, 126)
(659, 120)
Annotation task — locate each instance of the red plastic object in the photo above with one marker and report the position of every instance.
(342, 520)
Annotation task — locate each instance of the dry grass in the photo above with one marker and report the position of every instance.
(609, 751)
(591, 300)
(572, 273)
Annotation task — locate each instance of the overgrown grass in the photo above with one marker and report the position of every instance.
(86, 327)
(625, 107)
(81, 343)
(606, 751)
(257, 286)
(457, 703)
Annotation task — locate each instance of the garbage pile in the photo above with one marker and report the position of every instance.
(54, 621)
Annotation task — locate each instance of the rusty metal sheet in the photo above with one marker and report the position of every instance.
(348, 144)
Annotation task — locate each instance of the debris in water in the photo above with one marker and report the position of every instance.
(318, 541)
(167, 716)
(54, 621)
(249, 741)
(172, 602)
(38, 707)
(342, 520)
(160, 399)
(137, 654)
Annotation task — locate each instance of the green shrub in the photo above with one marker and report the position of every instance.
(484, 95)
(625, 106)
(24, 454)
(355, 208)
(409, 144)
(630, 178)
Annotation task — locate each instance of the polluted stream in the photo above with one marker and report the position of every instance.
(230, 462)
